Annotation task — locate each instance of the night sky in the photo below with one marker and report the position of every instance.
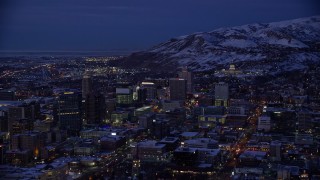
(106, 25)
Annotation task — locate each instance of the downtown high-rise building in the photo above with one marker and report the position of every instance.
(221, 94)
(150, 90)
(94, 108)
(124, 94)
(86, 85)
(178, 89)
(187, 75)
(15, 114)
(69, 112)
(28, 141)
(22, 116)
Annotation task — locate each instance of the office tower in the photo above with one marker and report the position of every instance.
(187, 75)
(160, 128)
(150, 90)
(42, 91)
(275, 150)
(124, 94)
(159, 83)
(21, 125)
(69, 112)
(142, 94)
(264, 123)
(145, 121)
(86, 85)
(2, 152)
(135, 167)
(178, 89)
(32, 141)
(183, 156)
(221, 94)
(95, 108)
(15, 114)
(151, 151)
(119, 117)
(31, 110)
(3, 121)
(110, 107)
(222, 91)
(86, 91)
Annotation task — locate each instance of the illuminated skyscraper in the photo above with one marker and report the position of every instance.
(69, 112)
(124, 94)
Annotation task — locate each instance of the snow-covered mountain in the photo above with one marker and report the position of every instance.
(278, 46)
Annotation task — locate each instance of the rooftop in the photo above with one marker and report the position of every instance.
(151, 144)
(169, 139)
(259, 155)
(189, 134)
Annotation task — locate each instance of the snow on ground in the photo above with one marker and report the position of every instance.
(238, 43)
(245, 43)
(286, 42)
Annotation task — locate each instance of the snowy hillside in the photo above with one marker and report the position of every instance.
(287, 44)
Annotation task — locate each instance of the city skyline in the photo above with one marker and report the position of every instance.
(193, 89)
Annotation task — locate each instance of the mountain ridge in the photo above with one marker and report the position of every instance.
(291, 41)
